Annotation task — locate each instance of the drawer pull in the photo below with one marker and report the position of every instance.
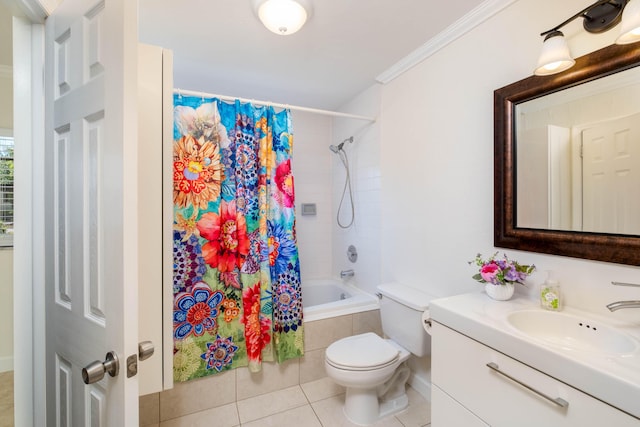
(556, 401)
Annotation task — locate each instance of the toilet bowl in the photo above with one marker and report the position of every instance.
(374, 372)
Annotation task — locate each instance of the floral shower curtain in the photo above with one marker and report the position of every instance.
(236, 273)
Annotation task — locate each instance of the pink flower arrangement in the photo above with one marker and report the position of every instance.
(501, 271)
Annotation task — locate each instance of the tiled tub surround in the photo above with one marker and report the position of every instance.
(235, 397)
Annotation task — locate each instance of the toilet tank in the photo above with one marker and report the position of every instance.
(401, 309)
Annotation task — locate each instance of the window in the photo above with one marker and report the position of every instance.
(6, 190)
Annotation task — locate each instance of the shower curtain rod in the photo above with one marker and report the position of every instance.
(274, 104)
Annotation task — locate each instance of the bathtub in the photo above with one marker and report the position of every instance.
(324, 298)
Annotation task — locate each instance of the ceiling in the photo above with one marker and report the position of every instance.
(221, 47)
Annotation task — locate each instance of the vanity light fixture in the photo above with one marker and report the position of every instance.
(630, 27)
(283, 17)
(599, 17)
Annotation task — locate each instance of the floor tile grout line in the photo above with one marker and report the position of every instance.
(305, 402)
(237, 413)
(280, 412)
(316, 414)
(301, 390)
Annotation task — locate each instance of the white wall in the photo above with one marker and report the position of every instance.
(6, 99)
(6, 309)
(437, 160)
(311, 163)
(6, 68)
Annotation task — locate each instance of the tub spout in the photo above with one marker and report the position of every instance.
(623, 304)
(346, 273)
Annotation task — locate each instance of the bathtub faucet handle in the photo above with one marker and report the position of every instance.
(346, 273)
(379, 295)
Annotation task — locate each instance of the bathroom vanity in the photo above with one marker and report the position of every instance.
(509, 363)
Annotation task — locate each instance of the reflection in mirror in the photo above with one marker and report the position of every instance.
(578, 157)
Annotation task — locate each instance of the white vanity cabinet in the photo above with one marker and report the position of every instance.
(450, 413)
(471, 387)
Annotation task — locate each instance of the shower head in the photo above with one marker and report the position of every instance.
(337, 148)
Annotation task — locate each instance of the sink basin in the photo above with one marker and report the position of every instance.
(572, 332)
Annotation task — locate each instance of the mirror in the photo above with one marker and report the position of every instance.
(532, 214)
(578, 157)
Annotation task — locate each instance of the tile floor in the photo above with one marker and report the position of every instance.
(313, 404)
(6, 399)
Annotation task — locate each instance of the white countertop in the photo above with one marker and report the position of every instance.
(612, 378)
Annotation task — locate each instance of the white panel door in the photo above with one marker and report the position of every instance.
(611, 176)
(91, 210)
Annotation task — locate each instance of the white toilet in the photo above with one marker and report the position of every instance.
(374, 370)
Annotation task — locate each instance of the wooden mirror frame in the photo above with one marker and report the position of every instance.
(621, 249)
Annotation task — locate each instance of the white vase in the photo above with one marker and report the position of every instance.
(499, 292)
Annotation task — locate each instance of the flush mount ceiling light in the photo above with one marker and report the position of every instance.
(599, 17)
(283, 17)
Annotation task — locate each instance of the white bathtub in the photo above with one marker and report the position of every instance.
(324, 298)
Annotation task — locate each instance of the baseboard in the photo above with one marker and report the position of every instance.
(421, 385)
(6, 363)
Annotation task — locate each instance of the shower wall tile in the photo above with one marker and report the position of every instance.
(272, 377)
(197, 395)
(314, 239)
(365, 161)
(321, 333)
(311, 163)
(312, 366)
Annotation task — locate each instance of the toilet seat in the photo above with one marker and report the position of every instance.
(363, 352)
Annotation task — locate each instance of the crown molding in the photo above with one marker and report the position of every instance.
(462, 26)
(35, 10)
(6, 71)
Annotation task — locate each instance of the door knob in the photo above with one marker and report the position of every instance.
(95, 371)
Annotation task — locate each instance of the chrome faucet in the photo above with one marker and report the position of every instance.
(346, 273)
(623, 304)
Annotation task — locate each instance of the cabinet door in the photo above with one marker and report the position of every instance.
(459, 368)
(446, 412)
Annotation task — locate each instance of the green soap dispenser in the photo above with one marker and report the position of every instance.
(550, 294)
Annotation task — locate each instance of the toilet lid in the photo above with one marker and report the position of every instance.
(361, 351)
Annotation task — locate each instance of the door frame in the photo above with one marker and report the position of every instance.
(28, 280)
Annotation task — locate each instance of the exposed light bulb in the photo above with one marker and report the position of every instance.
(553, 66)
(630, 27)
(555, 56)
